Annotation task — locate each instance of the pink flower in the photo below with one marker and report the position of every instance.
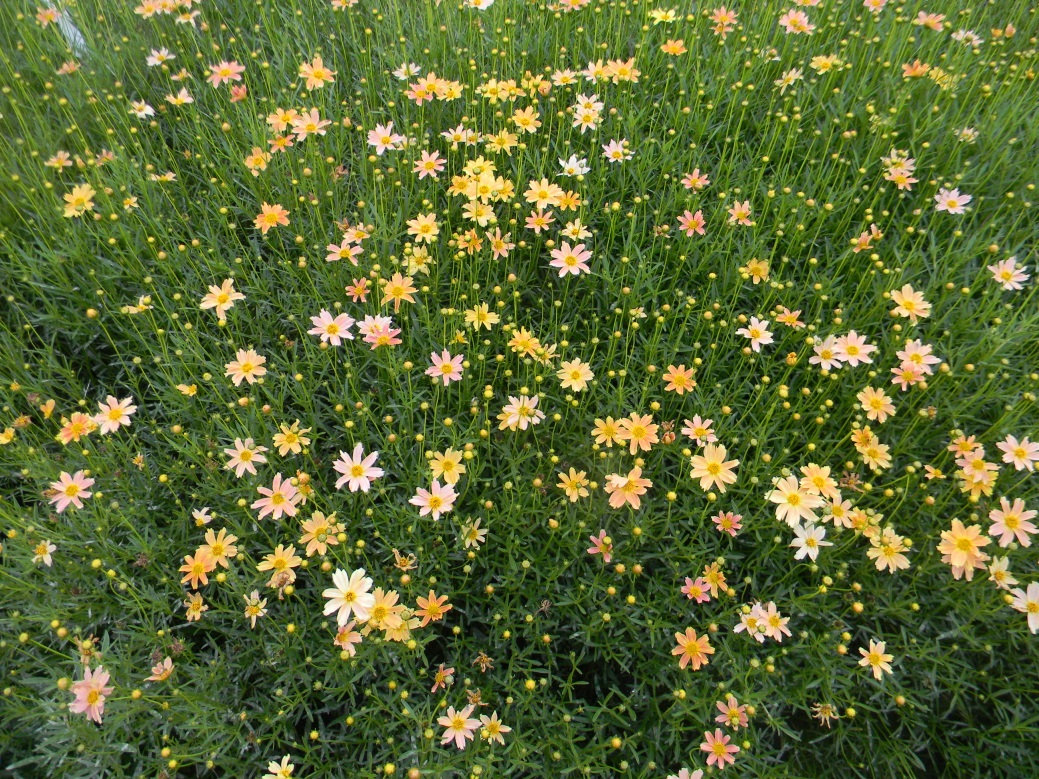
(90, 694)
(161, 671)
(571, 259)
(445, 367)
(700, 591)
(1010, 522)
(347, 250)
(357, 470)
(951, 200)
(279, 500)
(853, 349)
(691, 223)
(70, 489)
(727, 522)
(331, 329)
(383, 138)
(601, 544)
(436, 501)
(459, 726)
(114, 414)
(719, 751)
(225, 72)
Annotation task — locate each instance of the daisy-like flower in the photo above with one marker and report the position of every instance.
(282, 770)
(42, 553)
(574, 375)
(727, 522)
(445, 368)
(473, 535)
(221, 298)
(575, 166)
(90, 694)
(732, 713)
(808, 540)
(331, 329)
(875, 659)
(697, 590)
(826, 356)
(961, 548)
(520, 413)
(70, 490)
(574, 484)
(316, 74)
(712, 469)
(951, 201)
(793, 502)
(346, 250)
(571, 259)
(685, 773)
(358, 470)
(1011, 522)
(435, 501)
(626, 489)
(459, 725)
(350, 596)
(271, 216)
(796, 23)
(225, 72)
(492, 728)
(602, 544)
(196, 568)
(447, 465)
(255, 607)
(740, 213)
(699, 430)
(1027, 602)
(246, 366)
(876, 404)
(383, 138)
(278, 500)
(719, 751)
(291, 439)
(853, 349)
(114, 414)
(244, 457)
(757, 332)
(639, 431)
(432, 609)
(692, 223)
(161, 671)
(1023, 454)
(679, 379)
(1008, 275)
(617, 151)
(910, 303)
(692, 649)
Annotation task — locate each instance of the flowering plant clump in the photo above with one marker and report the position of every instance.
(529, 388)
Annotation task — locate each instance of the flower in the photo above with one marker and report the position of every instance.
(459, 727)
(358, 471)
(601, 544)
(445, 367)
(282, 770)
(951, 201)
(692, 649)
(436, 501)
(196, 567)
(571, 259)
(114, 414)
(244, 457)
(697, 590)
(626, 489)
(246, 366)
(793, 502)
(574, 375)
(350, 595)
(221, 298)
(271, 216)
(574, 484)
(1010, 522)
(279, 499)
(910, 303)
(1008, 275)
(161, 671)
(442, 677)
(1027, 602)
(712, 469)
(520, 412)
(319, 533)
(90, 694)
(679, 379)
(254, 607)
(493, 729)
(70, 489)
(692, 224)
(719, 751)
(432, 609)
(290, 438)
(875, 659)
(447, 465)
(961, 548)
(757, 332)
(808, 540)
(732, 713)
(42, 553)
(1023, 454)
(331, 329)
(316, 74)
(727, 522)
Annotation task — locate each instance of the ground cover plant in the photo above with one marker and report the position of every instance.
(534, 389)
